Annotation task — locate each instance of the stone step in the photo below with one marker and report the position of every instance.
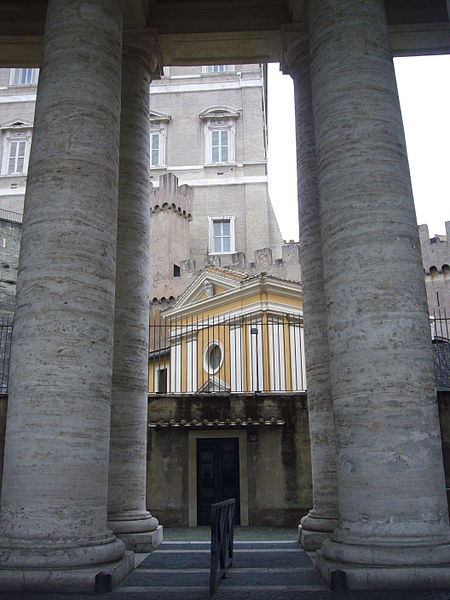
(181, 559)
(241, 577)
(237, 545)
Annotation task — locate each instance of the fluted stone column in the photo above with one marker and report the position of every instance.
(127, 513)
(54, 501)
(393, 528)
(317, 525)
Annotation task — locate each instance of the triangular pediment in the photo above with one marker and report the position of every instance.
(16, 124)
(211, 283)
(214, 384)
(157, 116)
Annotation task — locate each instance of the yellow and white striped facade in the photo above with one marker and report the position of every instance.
(230, 332)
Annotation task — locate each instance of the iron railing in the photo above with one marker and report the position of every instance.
(9, 215)
(222, 536)
(440, 335)
(262, 353)
(6, 328)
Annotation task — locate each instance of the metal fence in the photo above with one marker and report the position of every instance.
(6, 328)
(245, 354)
(440, 335)
(262, 353)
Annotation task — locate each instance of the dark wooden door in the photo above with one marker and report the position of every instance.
(217, 475)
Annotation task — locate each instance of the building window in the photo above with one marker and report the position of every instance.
(220, 144)
(219, 126)
(16, 159)
(221, 235)
(162, 381)
(217, 68)
(212, 358)
(159, 123)
(16, 145)
(23, 76)
(155, 147)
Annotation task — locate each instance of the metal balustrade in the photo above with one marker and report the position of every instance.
(222, 537)
(256, 353)
(6, 328)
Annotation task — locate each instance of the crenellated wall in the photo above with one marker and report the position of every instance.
(436, 264)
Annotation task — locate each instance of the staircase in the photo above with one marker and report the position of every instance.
(180, 571)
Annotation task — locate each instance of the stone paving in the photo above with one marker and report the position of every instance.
(262, 570)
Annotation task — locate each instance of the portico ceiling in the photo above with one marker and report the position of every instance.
(214, 31)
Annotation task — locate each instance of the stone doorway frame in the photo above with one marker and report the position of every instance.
(241, 434)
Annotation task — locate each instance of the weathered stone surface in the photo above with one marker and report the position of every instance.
(127, 513)
(322, 519)
(392, 504)
(54, 497)
(278, 458)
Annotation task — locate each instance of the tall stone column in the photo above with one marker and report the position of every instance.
(317, 525)
(127, 513)
(54, 503)
(393, 525)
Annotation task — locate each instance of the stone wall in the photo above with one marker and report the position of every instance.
(10, 233)
(436, 264)
(279, 459)
(278, 454)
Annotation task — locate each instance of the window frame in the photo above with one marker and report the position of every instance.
(221, 219)
(219, 118)
(206, 354)
(19, 132)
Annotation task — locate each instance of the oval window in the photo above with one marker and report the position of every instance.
(213, 357)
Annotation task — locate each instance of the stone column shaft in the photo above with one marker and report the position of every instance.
(127, 513)
(54, 500)
(393, 529)
(323, 518)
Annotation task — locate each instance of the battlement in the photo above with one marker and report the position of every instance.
(165, 292)
(435, 250)
(172, 196)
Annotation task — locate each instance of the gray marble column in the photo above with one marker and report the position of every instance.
(393, 525)
(53, 532)
(317, 525)
(127, 513)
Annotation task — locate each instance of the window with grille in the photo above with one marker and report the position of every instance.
(16, 159)
(220, 145)
(24, 76)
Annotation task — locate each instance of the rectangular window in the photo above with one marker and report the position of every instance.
(218, 68)
(219, 145)
(221, 236)
(24, 76)
(155, 150)
(162, 381)
(16, 160)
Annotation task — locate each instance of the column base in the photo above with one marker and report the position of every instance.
(314, 530)
(139, 531)
(142, 542)
(70, 580)
(365, 577)
(410, 563)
